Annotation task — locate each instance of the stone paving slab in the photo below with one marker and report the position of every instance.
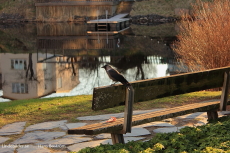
(64, 141)
(201, 115)
(13, 128)
(38, 136)
(201, 122)
(137, 132)
(117, 115)
(72, 125)
(77, 147)
(75, 135)
(221, 113)
(168, 130)
(103, 136)
(46, 125)
(194, 115)
(6, 150)
(33, 149)
(3, 139)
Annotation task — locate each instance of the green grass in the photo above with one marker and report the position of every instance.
(69, 108)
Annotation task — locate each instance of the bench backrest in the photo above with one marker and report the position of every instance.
(111, 96)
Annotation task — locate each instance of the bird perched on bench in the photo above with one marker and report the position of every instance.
(116, 76)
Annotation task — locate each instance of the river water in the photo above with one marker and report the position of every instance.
(62, 59)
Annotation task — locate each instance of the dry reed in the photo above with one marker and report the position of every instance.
(204, 40)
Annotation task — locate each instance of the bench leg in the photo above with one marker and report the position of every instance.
(212, 115)
(117, 138)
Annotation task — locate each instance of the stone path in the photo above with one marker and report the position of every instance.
(49, 137)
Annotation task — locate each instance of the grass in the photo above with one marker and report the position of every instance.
(160, 7)
(22, 7)
(162, 30)
(69, 108)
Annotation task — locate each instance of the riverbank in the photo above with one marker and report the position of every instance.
(152, 10)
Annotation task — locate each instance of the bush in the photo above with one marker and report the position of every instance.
(204, 39)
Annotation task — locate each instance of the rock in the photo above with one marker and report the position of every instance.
(137, 132)
(63, 142)
(14, 128)
(32, 149)
(7, 149)
(72, 125)
(77, 147)
(38, 136)
(46, 125)
(168, 130)
(3, 139)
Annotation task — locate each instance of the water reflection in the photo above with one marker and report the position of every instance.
(25, 78)
(65, 60)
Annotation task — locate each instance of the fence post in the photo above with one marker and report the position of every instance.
(225, 90)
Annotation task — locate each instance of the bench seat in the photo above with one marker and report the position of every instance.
(111, 127)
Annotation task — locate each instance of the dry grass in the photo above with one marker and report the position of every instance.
(161, 30)
(22, 7)
(160, 7)
(204, 42)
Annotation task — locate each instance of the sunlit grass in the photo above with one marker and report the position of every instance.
(160, 7)
(178, 100)
(69, 108)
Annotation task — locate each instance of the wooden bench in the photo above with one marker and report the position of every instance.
(111, 96)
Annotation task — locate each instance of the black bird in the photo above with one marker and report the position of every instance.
(115, 75)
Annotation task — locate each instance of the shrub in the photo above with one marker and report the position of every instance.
(213, 137)
(204, 39)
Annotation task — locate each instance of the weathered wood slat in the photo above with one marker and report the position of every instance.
(111, 96)
(146, 118)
